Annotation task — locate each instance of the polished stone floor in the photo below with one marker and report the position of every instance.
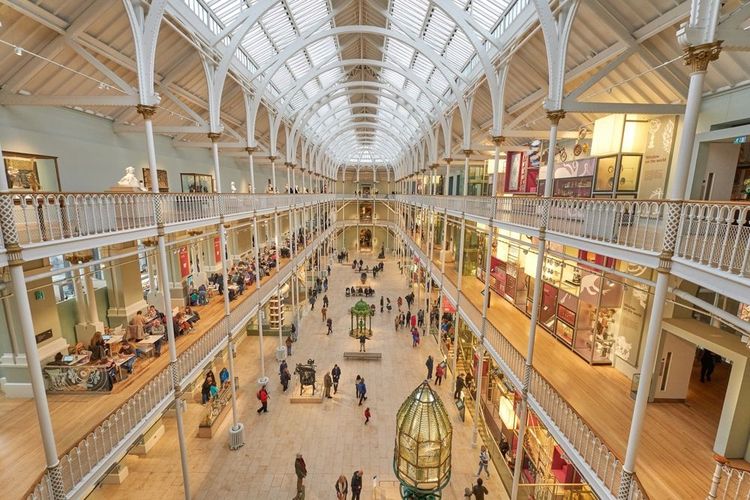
(331, 436)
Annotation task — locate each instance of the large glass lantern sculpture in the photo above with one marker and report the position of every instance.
(422, 457)
(361, 316)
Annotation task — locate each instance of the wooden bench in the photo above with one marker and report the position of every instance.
(366, 356)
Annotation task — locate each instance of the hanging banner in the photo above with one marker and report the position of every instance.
(217, 249)
(184, 262)
(448, 307)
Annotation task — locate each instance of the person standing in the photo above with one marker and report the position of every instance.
(327, 384)
(414, 337)
(413, 320)
(367, 415)
(300, 469)
(336, 375)
(708, 362)
(429, 365)
(323, 312)
(382, 304)
(356, 386)
(479, 490)
(289, 346)
(408, 318)
(325, 301)
(263, 397)
(362, 340)
(356, 484)
(439, 372)
(342, 488)
(459, 386)
(399, 303)
(329, 324)
(362, 391)
(285, 377)
(484, 461)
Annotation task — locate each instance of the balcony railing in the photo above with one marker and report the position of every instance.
(730, 481)
(86, 462)
(43, 218)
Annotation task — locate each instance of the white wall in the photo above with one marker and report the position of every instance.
(91, 157)
(726, 107)
(721, 160)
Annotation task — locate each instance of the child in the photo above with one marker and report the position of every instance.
(367, 415)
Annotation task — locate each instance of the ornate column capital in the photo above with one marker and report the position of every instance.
(498, 140)
(556, 115)
(78, 258)
(468, 152)
(434, 165)
(145, 110)
(214, 136)
(448, 160)
(272, 157)
(698, 56)
(251, 150)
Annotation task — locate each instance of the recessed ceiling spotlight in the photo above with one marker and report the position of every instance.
(18, 51)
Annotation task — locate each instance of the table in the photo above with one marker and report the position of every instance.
(114, 339)
(78, 359)
(147, 345)
(121, 360)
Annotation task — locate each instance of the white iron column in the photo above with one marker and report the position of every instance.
(237, 427)
(457, 319)
(698, 58)
(273, 173)
(147, 112)
(498, 140)
(554, 117)
(250, 152)
(263, 380)
(26, 324)
(93, 312)
(467, 152)
(480, 351)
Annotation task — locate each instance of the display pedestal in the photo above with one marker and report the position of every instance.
(125, 189)
(149, 439)
(280, 353)
(116, 475)
(307, 395)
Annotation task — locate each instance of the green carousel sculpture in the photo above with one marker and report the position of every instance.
(422, 455)
(361, 316)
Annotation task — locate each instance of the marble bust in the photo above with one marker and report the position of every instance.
(233, 187)
(129, 180)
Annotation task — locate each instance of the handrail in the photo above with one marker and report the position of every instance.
(730, 480)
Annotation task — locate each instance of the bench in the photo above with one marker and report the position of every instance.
(366, 356)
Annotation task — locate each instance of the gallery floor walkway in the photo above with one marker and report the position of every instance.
(331, 436)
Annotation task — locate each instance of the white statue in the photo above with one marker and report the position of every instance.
(129, 179)
(233, 187)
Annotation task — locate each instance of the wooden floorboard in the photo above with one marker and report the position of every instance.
(75, 415)
(675, 459)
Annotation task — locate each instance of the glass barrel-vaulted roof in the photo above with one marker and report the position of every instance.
(424, 33)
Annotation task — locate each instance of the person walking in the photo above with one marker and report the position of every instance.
(429, 365)
(285, 376)
(484, 461)
(289, 346)
(459, 386)
(414, 337)
(408, 318)
(479, 490)
(336, 375)
(323, 312)
(420, 318)
(329, 324)
(367, 415)
(708, 362)
(362, 391)
(356, 484)
(388, 304)
(325, 301)
(263, 397)
(439, 372)
(327, 384)
(300, 469)
(382, 304)
(356, 385)
(413, 320)
(362, 340)
(399, 303)
(342, 488)
(312, 302)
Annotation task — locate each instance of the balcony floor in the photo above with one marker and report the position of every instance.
(675, 460)
(75, 415)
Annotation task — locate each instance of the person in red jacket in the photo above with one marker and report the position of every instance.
(367, 415)
(263, 397)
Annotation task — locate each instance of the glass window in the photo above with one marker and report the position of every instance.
(630, 167)
(605, 173)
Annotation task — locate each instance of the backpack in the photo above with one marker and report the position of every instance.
(258, 395)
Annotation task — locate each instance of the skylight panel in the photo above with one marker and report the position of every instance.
(409, 14)
(258, 46)
(395, 79)
(398, 52)
(283, 79)
(488, 12)
(439, 30)
(226, 10)
(311, 88)
(422, 66)
(298, 65)
(277, 24)
(459, 50)
(307, 13)
(411, 90)
(330, 77)
(322, 51)
(297, 101)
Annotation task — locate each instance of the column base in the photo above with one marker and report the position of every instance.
(237, 436)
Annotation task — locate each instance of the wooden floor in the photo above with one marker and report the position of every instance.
(75, 415)
(675, 459)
